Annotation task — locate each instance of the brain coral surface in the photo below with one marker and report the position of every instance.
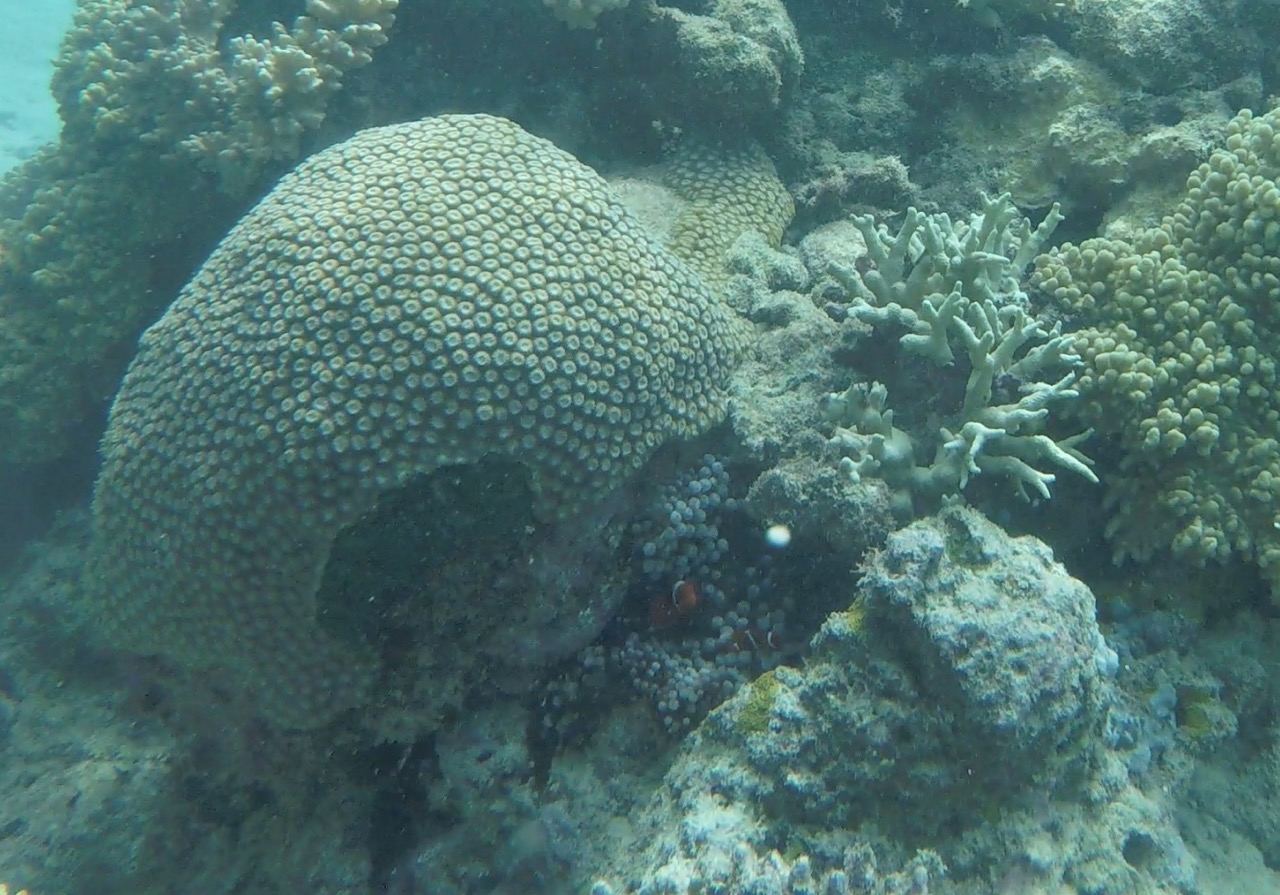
(423, 294)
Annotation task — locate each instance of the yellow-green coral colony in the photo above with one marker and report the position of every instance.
(729, 191)
(420, 295)
(1179, 329)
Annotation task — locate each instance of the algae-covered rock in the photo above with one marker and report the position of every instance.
(966, 685)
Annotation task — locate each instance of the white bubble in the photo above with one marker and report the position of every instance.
(777, 536)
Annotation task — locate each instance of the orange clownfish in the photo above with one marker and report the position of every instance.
(752, 640)
(669, 609)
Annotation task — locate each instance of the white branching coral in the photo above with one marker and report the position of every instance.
(954, 288)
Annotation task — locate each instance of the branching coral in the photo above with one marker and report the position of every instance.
(954, 288)
(165, 76)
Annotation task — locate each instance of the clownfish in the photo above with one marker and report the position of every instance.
(752, 640)
(666, 610)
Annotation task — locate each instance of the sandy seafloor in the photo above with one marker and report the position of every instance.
(28, 44)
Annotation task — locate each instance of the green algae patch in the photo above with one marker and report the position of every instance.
(753, 718)
(963, 548)
(1202, 716)
(855, 618)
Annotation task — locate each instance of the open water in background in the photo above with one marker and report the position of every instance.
(29, 39)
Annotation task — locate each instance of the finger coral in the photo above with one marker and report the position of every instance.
(1178, 335)
(165, 75)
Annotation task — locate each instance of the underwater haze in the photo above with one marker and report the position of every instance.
(28, 118)
(639, 447)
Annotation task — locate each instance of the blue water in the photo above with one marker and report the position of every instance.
(28, 45)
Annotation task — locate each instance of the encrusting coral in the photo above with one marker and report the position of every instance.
(742, 57)
(729, 191)
(421, 295)
(1178, 332)
(956, 285)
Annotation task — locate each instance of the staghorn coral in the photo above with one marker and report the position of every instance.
(156, 102)
(958, 284)
(1178, 331)
(421, 295)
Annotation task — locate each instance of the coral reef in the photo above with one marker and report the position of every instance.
(1176, 330)
(419, 296)
(506, 836)
(744, 55)
(798, 358)
(102, 796)
(158, 104)
(1167, 45)
(707, 65)
(1049, 110)
(741, 868)
(483, 821)
(165, 76)
(703, 197)
(453, 433)
(709, 609)
(967, 682)
(727, 193)
(1022, 698)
